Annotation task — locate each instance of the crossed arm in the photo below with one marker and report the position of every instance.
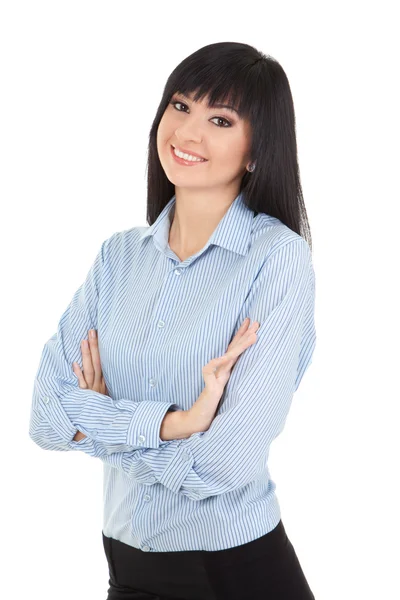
(257, 398)
(175, 426)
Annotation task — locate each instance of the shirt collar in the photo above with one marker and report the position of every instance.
(232, 232)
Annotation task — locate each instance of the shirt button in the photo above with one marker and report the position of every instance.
(141, 439)
(147, 498)
(46, 399)
(185, 456)
(146, 548)
(161, 323)
(152, 382)
(94, 432)
(177, 271)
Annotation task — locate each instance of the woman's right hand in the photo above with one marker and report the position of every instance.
(216, 374)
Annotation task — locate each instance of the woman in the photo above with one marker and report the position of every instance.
(203, 328)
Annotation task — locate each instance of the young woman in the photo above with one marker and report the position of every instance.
(203, 328)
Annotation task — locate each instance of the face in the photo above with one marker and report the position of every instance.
(217, 135)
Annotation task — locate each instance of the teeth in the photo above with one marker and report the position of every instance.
(187, 156)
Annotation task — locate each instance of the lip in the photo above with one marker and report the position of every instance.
(187, 162)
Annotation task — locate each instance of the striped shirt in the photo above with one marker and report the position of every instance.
(159, 321)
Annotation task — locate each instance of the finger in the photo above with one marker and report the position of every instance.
(233, 353)
(104, 387)
(247, 340)
(219, 364)
(243, 326)
(87, 363)
(81, 380)
(234, 350)
(253, 327)
(96, 362)
(242, 329)
(243, 332)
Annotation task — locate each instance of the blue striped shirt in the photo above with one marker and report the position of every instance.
(159, 321)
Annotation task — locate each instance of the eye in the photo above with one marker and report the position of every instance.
(227, 123)
(173, 102)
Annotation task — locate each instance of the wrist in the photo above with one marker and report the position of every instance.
(176, 426)
(78, 436)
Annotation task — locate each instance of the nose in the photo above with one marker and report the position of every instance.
(189, 131)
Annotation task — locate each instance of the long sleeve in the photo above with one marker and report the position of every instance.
(258, 395)
(60, 408)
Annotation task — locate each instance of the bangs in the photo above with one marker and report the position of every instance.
(228, 83)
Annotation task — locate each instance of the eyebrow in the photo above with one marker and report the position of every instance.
(218, 105)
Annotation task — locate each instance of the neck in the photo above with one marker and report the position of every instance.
(195, 217)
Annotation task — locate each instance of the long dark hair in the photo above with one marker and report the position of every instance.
(257, 86)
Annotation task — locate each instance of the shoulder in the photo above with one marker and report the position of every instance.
(270, 236)
(122, 242)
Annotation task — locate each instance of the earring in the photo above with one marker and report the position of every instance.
(252, 167)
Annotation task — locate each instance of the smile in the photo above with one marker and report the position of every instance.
(186, 159)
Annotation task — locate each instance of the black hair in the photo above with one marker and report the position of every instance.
(257, 86)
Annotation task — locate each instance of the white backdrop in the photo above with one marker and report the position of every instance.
(74, 130)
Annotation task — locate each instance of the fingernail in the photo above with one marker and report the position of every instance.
(92, 333)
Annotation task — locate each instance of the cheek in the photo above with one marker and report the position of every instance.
(162, 131)
(230, 153)
(167, 125)
(162, 142)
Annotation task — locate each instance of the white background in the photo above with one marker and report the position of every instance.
(80, 85)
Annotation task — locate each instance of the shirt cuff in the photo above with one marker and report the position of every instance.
(170, 467)
(178, 468)
(54, 413)
(138, 429)
(119, 423)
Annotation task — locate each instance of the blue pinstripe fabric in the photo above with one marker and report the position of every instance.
(159, 321)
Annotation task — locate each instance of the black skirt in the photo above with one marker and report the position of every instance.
(266, 568)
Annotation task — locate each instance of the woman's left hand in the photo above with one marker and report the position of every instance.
(92, 376)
